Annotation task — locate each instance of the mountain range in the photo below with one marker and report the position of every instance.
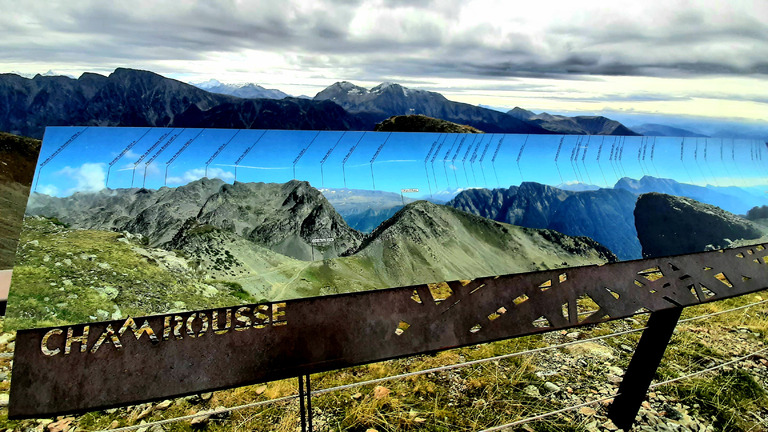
(281, 217)
(389, 99)
(654, 129)
(129, 97)
(732, 199)
(585, 125)
(261, 235)
(364, 210)
(606, 215)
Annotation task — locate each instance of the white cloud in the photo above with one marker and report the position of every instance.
(48, 190)
(198, 173)
(256, 167)
(89, 177)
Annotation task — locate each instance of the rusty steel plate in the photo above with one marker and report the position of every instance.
(106, 364)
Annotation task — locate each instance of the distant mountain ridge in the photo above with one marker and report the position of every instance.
(246, 91)
(364, 210)
(605, 215)
(732, 199)
(388, 99)
(653, 129)
(129, 97)
(136, 98)
(586, 125)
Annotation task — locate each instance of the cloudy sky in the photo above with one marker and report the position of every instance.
(699, 58)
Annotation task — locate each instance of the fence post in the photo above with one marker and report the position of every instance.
(643, 366)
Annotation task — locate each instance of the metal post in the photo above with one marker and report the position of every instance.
(305, 414)
(302, 413)
(309, 404)
(642, 367)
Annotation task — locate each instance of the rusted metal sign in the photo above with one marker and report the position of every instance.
(99, 365)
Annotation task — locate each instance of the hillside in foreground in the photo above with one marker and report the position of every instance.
(17, 167)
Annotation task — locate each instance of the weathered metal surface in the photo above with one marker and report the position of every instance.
(191, 352)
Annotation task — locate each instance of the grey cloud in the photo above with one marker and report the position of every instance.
(622, 47)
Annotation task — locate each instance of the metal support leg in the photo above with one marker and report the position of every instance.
(305, 414)
(642, 367)
(309, 404)
(302, 413)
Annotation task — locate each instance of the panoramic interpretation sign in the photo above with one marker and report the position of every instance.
(157, 262)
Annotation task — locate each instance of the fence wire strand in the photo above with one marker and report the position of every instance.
(547, 414)
(474, 362)
(516, 354)
(201, 414)
(722, 312)
(562, 410)
(709, 369)
(464, 364)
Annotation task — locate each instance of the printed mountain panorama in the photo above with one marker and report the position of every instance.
(135, 251)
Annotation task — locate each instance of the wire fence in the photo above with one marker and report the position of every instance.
(223, 411)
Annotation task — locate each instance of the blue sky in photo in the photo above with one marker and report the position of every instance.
(79, 159)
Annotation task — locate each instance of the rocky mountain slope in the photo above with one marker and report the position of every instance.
(155, 214)
(671, 225)
(422, 123)
(287, 113)
(17, 167)
(388, 99)
(282, 217)
(124, 98)
(758, 214)
(604, 215)
(425, 241)
(585, 125)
